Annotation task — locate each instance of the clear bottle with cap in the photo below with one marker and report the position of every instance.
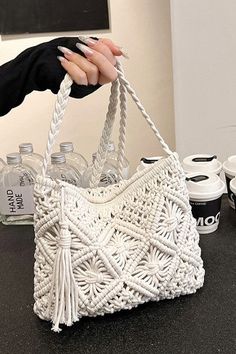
(59, 169)
(30, 158)
(112, 158)
(16, 191)
(73, 159)
(2, 164)
(109, 175)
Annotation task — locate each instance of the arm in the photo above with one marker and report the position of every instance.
(37, 68)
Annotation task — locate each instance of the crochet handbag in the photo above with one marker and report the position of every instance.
(105, 249)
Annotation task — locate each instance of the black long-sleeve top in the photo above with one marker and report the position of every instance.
(36, 68)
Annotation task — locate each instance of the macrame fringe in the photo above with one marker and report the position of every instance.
(66, 294)
(64, 285)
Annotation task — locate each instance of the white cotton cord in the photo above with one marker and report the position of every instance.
(107, 249)
(58, 114)
(106, 135)
(124, 82)
(123, 123)
(63, 282)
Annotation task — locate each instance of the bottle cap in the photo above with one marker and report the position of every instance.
(229, 166)
(26, 148)
(57, 157)
(14, 158)
(66, 147)
(202, 163)
(205, 186)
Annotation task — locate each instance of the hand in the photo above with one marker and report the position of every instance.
(96, 67)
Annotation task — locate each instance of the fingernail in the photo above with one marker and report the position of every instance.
(61, 59)
(64, 50)
(87, 40)
(87, 51)
(124, 54)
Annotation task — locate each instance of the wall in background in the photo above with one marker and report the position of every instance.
(204, 70)
(143, 29)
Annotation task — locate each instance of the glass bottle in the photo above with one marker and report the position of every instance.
(73, 159)
(109, 175)
(16, 191)
(30, 158)
(59, 169)
(112, 158)
(2, 164)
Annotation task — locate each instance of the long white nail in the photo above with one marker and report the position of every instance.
(87, 40)
(64, 50)
(61, 59)
(86, 50)
(123, 53)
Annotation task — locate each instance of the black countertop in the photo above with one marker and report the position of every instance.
(201, 323)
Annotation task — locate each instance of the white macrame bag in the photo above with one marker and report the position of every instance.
(101, 250)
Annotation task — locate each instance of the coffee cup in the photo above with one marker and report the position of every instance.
(229, 167)
(205, 194)
(233, 190)
(147, 161)
(202, 163)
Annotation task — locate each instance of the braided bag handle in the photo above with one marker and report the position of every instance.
(59, 110)
(107, 130)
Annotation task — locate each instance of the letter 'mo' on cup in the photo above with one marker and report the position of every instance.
(205, 194)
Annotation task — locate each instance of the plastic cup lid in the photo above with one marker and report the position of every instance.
(202, 163)
(204, 186)
(148, 161)
(229, 166)
(233, 185)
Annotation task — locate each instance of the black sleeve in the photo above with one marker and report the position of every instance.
(37, 68)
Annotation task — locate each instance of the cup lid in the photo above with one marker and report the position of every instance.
(202, 186)
(233, 185)
(229, 166)
(202, 163)
(151, 159)
(148, 161)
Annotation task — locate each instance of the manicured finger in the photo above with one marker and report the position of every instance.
(100, 47)
(116, 50)
(77, 75)
(105, 67)
(88, 67)
(91, 42)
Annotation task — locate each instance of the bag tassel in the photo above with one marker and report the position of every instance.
(64, 285)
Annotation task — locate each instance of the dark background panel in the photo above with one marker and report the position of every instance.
(37, 16)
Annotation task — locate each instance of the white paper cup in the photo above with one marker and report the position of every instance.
(147, 161)
(205, 193)
(233, 190)
(229, 167)
(202, 163)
